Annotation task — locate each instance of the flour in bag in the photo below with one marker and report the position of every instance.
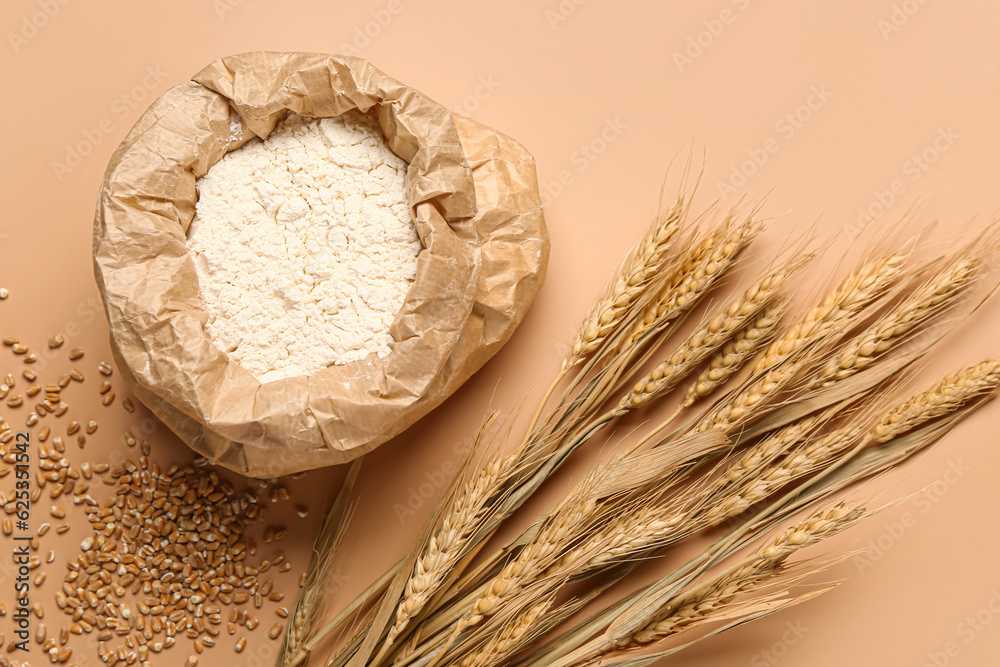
(305, 246)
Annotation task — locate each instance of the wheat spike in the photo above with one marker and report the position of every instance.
(706, 600)
(945, 396)
(741, 408)
(766, 451)
(774, 476)
(855, 293)
(779, 365)
(890, 330)
(696, 273)
(446, 545)
(509, 640)
(735, 353)
(707, 338)
(633, 279)
(556, 532)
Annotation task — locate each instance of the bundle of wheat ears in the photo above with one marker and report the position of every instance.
(778, 413)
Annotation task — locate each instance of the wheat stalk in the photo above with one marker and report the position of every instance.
(945, 396)
(707, 338)
(735, 353)
(890, 330)
(643, 264)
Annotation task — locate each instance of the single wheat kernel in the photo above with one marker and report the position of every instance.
(44, 528)
(19, 348)
(282, 612)
(276, 630)
(9, 380)
(105, 368)
(43, 433)
(240, 645)
(81, 440)
(9, 340)
(302, 511)
(72, 427)
(4, 293)
(128, 405)
(30, 358)
(108, 398)
(15, 401)
(191, 661)
(91, 427)
(29, 375)
(76, 353)
(76, 375)
(32, 419)
(56, 341)
(32, 390)
(105, 387)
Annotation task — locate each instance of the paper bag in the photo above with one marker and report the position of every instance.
(475, 199)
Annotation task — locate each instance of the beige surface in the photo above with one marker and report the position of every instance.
(607, 75)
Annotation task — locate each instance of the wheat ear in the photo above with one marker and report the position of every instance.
(780, 365)
(633, 279)
(890, 330)
(765, 481)
(945, 396)
(706, 339)
(508, 640)
(735, 353)
(712, 598)
(446, 546)
(852, 296)
(695, 275)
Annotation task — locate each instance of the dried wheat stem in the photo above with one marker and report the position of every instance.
(509, 640)
(447, 544)
(696, 273)
(706, 339)
(644, 262)
(709, 599)
(735, 353)
(893, 328)
(945, 396)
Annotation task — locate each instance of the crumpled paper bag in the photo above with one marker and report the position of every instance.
(478, 213)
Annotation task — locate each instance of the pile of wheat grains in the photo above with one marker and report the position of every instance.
(167, 562)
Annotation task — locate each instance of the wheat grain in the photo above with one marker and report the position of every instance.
(644, 262)
(945, 396)
(929, 299)
(706, 339)
(446, 545)
(735, 353)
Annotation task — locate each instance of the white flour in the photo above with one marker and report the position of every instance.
(305, 246)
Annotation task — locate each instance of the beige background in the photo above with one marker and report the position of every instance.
(640, 84)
